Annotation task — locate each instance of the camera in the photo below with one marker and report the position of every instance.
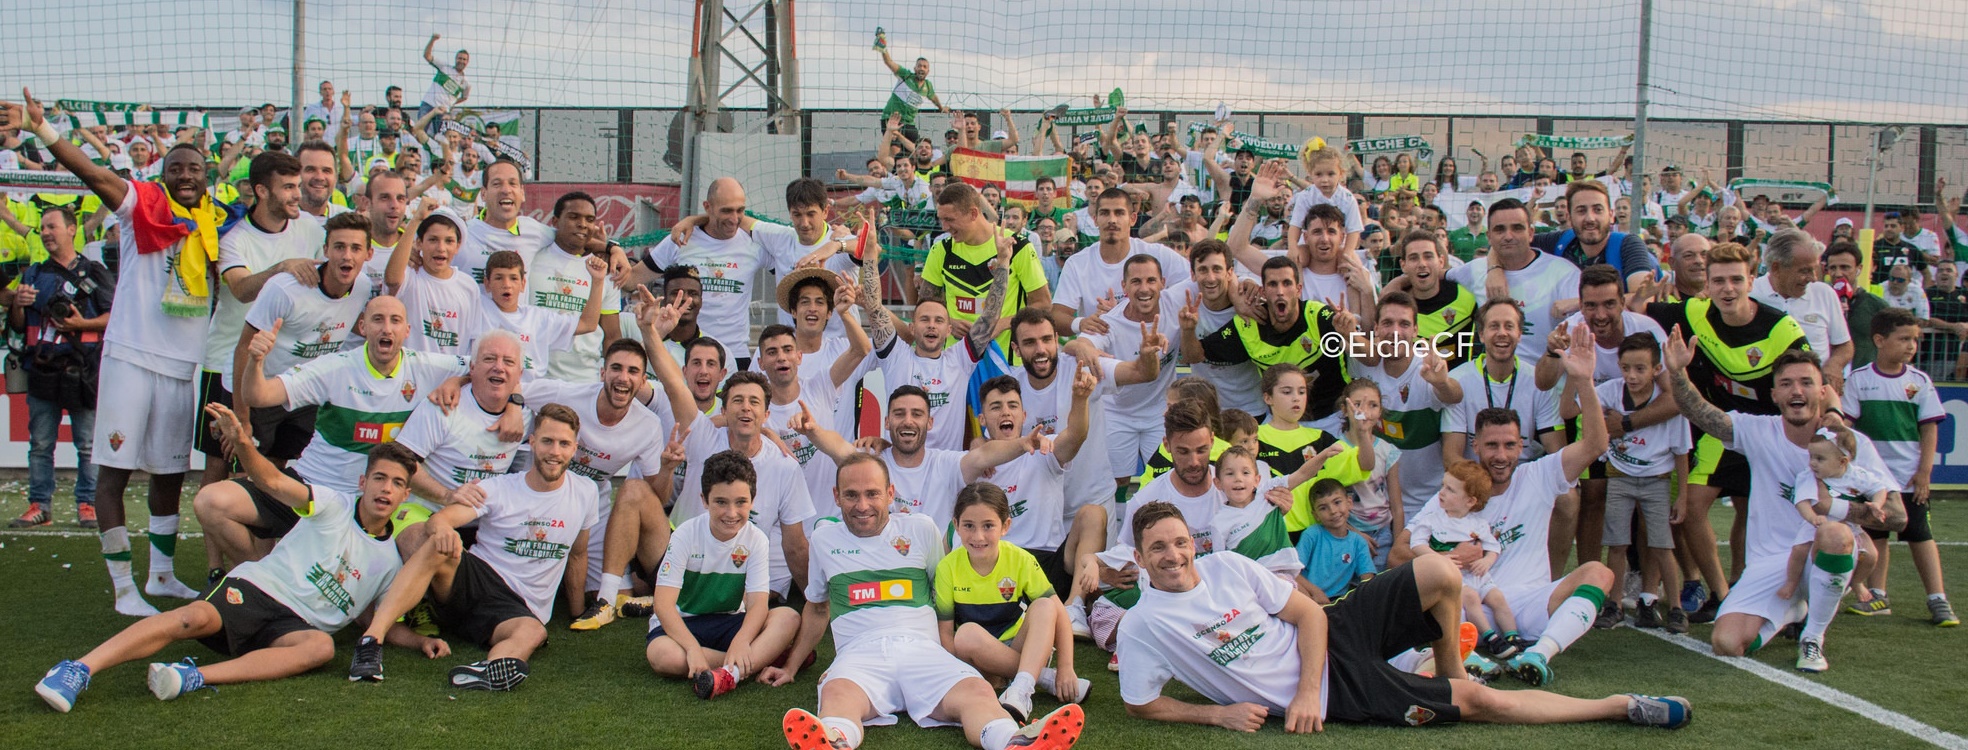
(60, 307)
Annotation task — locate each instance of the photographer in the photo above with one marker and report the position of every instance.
(62, 306)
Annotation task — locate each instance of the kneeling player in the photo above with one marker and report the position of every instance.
(713, 587)
(532, 537)
(273, 615)
(997, 607)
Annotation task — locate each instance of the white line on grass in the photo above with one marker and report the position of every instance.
(1832, 696)
(78, 533)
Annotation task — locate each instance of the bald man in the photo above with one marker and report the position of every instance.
(727, 257)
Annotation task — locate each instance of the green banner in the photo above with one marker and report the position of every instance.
(1264, 148)
(127, 118)
(1095, 116)
(1393, 144)
(33, 181)
(86, 105)
(921, 219)
(1575, 143)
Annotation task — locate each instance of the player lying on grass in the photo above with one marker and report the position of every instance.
(1257, 648)
(714, 587)
(532, 539)
(275, 615)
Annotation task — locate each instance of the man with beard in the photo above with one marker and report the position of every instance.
(1602, 309)
(388, 195)
(942, 372)
(1522, 512)
(1592, 237)
(533, 538)
(560, 279)
(1773, 446)
(876, 569)
(1138, 329)
(318, 182)
(272, 242)
(1333, 276)
(1212, 290)
(1234, 184)
(1414, 387)
(1540, 283)
(1738, 341)
(1255, 648)
(1091, 279)
(163, 295)
(816, 295)
(1444, 310)
(499, 225)
(1290, 330)
(313, 321)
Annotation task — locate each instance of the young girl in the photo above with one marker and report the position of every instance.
(1281, 438)
(1257, 529)
(1373, 514)
(996, 609)
(1404, 177)
(1450, 521)
(442, 302)
(1832, 473)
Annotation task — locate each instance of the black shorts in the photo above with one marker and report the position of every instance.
(1712, 465)
(1052, 562)
(1366, 627)
(249, 620)
(280, 434)
(276, 519)
(480, 602)
(711, 631)
(795, 598)
(1917, 528)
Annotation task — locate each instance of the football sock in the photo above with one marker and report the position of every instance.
(116, 552)
(1571, 621)
(1825, 581)
(997, 734)
(163, 545)
(611, 585)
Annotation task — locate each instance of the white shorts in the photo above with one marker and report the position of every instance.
(143, 419)
(597, 536)
(1481, 584)
(900, 673)
(1531, 605)
(1755, 594)
(1129, 446)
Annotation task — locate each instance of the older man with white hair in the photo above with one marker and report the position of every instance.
(1792, 285)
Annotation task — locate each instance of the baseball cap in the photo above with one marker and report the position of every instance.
(121, 162)
(1842, 222)
(1677, 220)
(998, 135)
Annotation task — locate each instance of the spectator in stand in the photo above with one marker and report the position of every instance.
(1891, 249)
(1841, 263)
(1942, 348)
(1900, 291)
(448, 88)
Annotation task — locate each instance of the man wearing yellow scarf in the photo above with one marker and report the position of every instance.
(144, 405)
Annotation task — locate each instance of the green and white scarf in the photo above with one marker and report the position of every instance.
(1574, 143)
(1264, 148)
(1096, 115)
(1393, 144)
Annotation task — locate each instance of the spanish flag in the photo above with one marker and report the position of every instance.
(1017, 176)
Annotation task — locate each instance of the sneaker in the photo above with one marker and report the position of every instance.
(1877, 605)
(1481, 668)
(1531, 667)
(62, 684)
(168, 681)
(501, 674)
(1466, 639)
(1114, 663)
(213, 577)
(1498, 647)
(1077, 615)
(1019, 706)
(1677, 621)
(367, 666)
(1059, 730)
(1706, 612)
(805, 732)
(422, 619)
(1666, 712)
(635, 606)
(1810, 656)
(599, 613)
(36, 515)
(1610, 617)
(1941, 613)
(1647, 616)
(85, 515)
(1693, 593)
(712, 683)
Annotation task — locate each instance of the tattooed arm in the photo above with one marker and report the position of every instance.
(1699, 411)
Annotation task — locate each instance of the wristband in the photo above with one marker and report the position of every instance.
(1075, 327)
(1839, 510)
(46, 133)
(1626, 423)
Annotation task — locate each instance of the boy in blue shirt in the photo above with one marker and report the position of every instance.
(1336, 557)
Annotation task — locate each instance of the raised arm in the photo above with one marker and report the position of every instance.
(827, 441)
(1067, 447)
(430, 47)
(104, 183)
(978, 338)
(655, 328)
(1579, 362)
(858, 344)
(597, 280)
(881, 324)
(286, 489)
(1267, 185)
(1699, 411)
(252, 384)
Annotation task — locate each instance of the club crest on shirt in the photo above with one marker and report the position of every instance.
(1007, 588)
(233, 596)
(409, 390)
(738, 556)
(901, 544)
(1404, 394)
(1755, 355)
(1911, 389)
(1448, 315)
